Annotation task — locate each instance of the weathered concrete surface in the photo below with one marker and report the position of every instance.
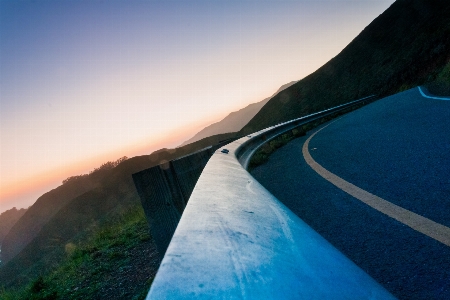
(236, 241)
(164, 191)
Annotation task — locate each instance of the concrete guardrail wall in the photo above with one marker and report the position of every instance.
(237, 241)
(165, 189)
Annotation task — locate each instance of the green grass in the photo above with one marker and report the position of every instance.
(262, 155)
(61, 216)
(441, 85)
(91, 265)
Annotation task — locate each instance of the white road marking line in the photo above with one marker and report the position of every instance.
(431, 97)
(421, 224)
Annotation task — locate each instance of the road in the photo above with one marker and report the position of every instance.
(386, 204)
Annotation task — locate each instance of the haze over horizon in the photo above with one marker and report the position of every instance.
(83, 83)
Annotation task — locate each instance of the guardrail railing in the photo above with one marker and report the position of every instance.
(235, 240)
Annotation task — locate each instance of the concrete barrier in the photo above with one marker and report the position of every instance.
(162, 208)
(237, 241)
(164, 191)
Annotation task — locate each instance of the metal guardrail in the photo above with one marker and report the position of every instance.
(235, 240)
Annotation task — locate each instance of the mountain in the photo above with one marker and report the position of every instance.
(111, 195)
(235, 120)
(8, 219)
(27, 227)
(406, 46)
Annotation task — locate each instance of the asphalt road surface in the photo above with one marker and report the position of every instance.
(395, 150)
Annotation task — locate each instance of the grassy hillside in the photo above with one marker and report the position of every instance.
(406, 46)
(115, 261)
(29, 225)
(235, 120)
(114, 195)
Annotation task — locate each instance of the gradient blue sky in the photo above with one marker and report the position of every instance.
(85, 82)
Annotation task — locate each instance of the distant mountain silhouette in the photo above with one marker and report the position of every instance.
(235, 120)
(37, 215)
(406, 46)
(8, 219)
(69, 211)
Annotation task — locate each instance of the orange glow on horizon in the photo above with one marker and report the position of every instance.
(55, 176)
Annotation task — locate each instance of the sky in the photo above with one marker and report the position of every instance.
(86, 82)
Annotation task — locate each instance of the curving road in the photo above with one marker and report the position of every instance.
(376, 184)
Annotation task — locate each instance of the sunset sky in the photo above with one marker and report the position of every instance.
(86, 82)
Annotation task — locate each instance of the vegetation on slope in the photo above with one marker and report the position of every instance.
(117, 260)
(406, 46)
(37, 215)
(114, 194)
(261, 156)
(441, 85)
(8, 219)
(26, 229)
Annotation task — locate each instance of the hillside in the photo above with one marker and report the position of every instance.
(38, 214)
(114, 194)
(406, 46)
(8, 219)
(116, 261)
(235, 120)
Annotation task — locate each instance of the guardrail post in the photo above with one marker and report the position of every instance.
(164, 191)
(159, 207)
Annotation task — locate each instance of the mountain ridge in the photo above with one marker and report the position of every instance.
(7, 220)
(378, 61)
(113, 194)
(31, 222)
(405, 46)
(234, 121)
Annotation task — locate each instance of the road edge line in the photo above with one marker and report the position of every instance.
(431, 97)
